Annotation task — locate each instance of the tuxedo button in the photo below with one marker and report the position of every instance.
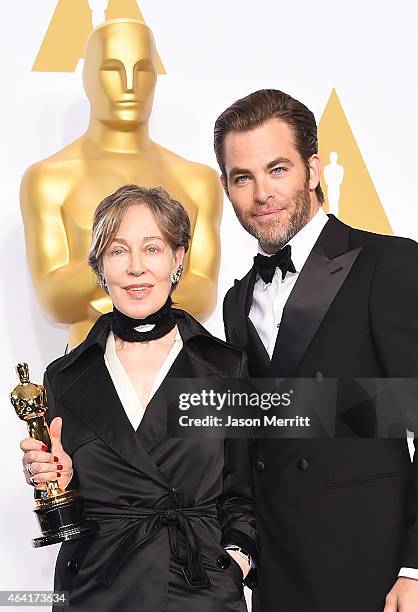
(303, 464)
(259, 466)
(319, 377)
(73, 567)
(223, 561)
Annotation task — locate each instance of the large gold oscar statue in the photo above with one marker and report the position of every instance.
(59, 194)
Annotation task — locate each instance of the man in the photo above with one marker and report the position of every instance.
(337, 518)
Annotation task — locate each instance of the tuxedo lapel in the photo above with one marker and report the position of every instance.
(258, 357)
(320, 279)
(237, 318)
(244, 333)
(95, 402)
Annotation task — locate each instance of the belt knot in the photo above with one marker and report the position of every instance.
(176, 520)
(170, 517)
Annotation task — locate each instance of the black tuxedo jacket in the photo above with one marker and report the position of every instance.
(163, 505)
(337, 518)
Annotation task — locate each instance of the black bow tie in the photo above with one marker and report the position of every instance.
(266, 266)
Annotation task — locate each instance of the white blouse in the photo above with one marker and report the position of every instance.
(125, 389)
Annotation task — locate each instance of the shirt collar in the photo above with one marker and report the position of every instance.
(303, 242)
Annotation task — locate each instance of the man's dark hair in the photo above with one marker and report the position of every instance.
(257, 108)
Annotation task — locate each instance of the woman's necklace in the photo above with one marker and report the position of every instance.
(155, 326)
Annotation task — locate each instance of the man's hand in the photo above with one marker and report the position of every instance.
(403, 597)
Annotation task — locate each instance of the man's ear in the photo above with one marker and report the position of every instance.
(314, 171)
(224, 184)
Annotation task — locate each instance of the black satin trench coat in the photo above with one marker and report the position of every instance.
(164, 506)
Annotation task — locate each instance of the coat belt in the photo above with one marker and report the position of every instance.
(146, 526)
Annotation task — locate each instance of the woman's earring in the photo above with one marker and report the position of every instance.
(101, 282)
(175, 277)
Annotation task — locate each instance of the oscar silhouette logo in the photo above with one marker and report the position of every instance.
(349, 190)
(70, 26)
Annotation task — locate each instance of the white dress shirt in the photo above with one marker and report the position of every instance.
(269, 299)
(125, 389)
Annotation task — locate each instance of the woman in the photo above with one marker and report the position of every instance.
(165, 507)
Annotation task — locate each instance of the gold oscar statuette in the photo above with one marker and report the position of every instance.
(59, 513)
(60, 194)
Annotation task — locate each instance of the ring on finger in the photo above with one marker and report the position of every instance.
(29, 468)
(33, 482)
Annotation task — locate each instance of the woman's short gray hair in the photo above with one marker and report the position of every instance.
(170, 215)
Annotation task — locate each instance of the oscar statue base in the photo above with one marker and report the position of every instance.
(60, 518)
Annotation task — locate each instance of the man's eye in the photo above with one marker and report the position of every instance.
(278, 170)
(241, 179)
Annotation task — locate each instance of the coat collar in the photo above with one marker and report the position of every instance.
(334, 240)
(189, 329)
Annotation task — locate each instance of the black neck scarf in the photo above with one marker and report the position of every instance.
(155, 326)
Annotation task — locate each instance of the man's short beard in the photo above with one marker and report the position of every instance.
(278, 233)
